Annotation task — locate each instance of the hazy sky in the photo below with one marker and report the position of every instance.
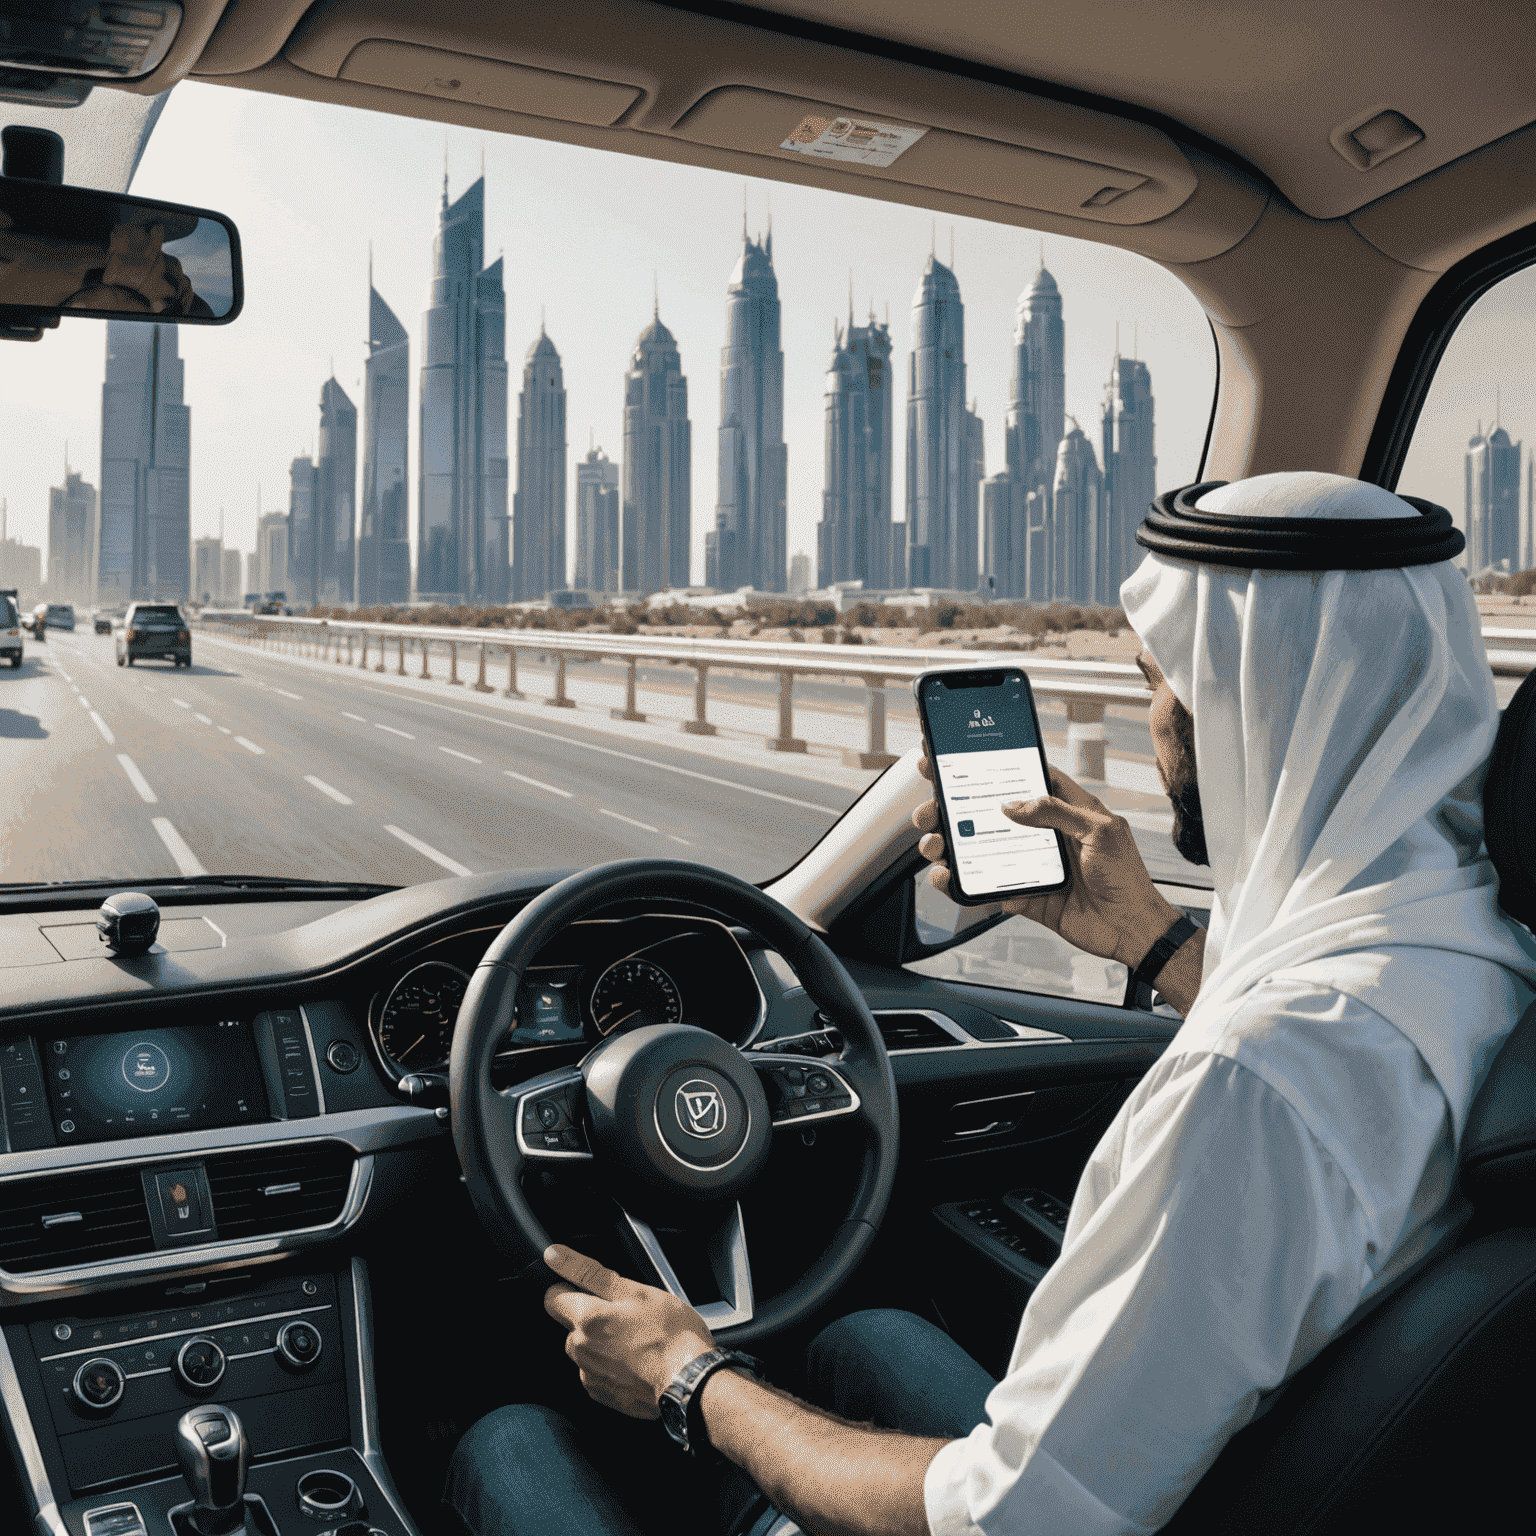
(584, 234)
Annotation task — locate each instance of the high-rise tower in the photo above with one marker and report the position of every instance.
(657, 494)
(538, 509)
(944, 438)
(146, 439)
(1493, 502)
(853, 539)
(72, 539)
(1078, 545)
(384, 539)
(1037, 392)
(598, 559)
(1130, 470)
(463, 552)
(303, 534)
(746, 547)
(335, 491)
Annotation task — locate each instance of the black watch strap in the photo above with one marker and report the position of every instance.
(683, 1417)
(1163, 951)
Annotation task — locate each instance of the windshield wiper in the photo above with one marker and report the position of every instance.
(21, 892)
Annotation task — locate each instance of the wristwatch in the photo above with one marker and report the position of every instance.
(679, 1402)
(1163, 951)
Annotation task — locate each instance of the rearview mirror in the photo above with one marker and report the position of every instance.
(106, 256)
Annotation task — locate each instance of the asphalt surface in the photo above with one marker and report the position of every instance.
(248, 765)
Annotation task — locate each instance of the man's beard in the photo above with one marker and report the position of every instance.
(1184, 795)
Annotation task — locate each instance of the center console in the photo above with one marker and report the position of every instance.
(98, 1398)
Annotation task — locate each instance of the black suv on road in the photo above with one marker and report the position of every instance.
(154, 631)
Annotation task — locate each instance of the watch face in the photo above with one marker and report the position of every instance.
(674, 1418)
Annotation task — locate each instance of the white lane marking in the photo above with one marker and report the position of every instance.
(101, 725)
(522, 778)
(176, 845)
(644, 826)
(393, 732)
(148, 689)
(676, 839)
(361, 719)
(325, 789)
(428, 851)
(465, 755)
(65, 675)
(137, 779)
(203, 718)
(85, 703)
(226, 730)
(287, 695)
(181, 703)
(629, 757)
(250, 746)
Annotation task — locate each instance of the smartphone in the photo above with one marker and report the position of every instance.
(983, 739)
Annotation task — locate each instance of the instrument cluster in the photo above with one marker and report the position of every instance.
(597, 978)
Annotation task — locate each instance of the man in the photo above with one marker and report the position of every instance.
(1322, 733)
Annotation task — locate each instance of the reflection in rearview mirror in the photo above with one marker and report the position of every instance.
(74, 251)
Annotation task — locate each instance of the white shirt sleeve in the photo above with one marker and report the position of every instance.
(1214, 1246)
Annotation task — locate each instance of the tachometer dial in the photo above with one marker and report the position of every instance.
(416, 1026)
(634, 992)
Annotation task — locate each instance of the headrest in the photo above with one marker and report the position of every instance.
(1498, 1147)
(1177, 529)
(1509, 804)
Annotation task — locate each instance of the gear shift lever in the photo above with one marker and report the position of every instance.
(214, 1455)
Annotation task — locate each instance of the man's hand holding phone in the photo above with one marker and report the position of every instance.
(1110, 907)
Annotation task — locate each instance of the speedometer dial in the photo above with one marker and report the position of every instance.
(416, 1026)
(634, 992)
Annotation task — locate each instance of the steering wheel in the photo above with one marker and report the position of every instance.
(677, 1121)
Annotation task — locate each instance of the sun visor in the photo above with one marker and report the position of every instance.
(1142, 181)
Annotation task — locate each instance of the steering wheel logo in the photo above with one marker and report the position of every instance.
(700, 1109)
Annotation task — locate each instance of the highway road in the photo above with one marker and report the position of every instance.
(249, 765)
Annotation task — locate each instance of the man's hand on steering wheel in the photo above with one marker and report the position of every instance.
(1110, 908)
(628, 1340)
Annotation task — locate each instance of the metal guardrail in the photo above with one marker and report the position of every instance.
(1085, 687)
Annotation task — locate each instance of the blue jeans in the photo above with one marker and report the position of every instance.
(520, 1471)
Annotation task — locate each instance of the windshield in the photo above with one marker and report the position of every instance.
(597, 508)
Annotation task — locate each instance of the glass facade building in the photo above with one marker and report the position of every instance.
(72, 538)
(303, 534)
(657, 493)
(598, 550)
(1493, 503)
(335, 493)
(384, 537)
(853, 539)
(538, 508)
(1130, 472)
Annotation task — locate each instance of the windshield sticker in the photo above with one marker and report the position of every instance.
(851, 138)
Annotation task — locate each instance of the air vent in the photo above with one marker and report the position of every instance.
(912, 1032)
(78, 1218)
(278, 1189)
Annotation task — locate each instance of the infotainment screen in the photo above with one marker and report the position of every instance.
(101, 1087)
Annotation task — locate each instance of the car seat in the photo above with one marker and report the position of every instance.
(1418, 1418)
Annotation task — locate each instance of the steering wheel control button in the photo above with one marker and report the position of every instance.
(299, 1344)
(342, 1056)
(200, 1365)
(549, 1114)
(794, 1075)
(818, 1083)
(98, 1385)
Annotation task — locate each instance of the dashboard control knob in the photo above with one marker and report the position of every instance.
(98, 1385)
(200, 1365)
(299, 1344)
(342, 1056)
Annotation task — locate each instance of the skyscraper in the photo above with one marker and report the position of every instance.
(538, 509)
(657, 494)
(1015, 553)
(335, 490)
(1078, 543)
(303, 534)
(746, 547)
(1493, 502)
(384, 539)
(599, 563)
(463, 554)
(229, 582)
(272, 553)
(1037, 392)
(146, 434)
(853, 539)
(72, 537)
(207, 570)
(944, 440)
(1130, 471)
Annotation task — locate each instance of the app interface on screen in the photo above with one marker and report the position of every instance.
(987, 755)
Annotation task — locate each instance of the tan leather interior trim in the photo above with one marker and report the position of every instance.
(249, 36)
(198, 20)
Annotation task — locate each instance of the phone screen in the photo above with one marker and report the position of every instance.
(986, 749)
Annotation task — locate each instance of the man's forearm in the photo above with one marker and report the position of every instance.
(835, 1478)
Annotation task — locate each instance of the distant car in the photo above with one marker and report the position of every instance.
(154, 632)
(60, 616)
(10, 629)
(102, 623)
(37, 621)
(275, 602)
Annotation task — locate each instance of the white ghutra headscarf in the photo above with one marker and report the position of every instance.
(1343, 722)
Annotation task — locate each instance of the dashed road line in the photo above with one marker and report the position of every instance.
(226, 730)
(176, 846)
(65, 675)
(426, 850)
(644, 826)
(392, 731)
(137, 779)
(325, 789)
(298, 696)
(85, 703)
(361, 719)
(522, 778)
(101, 725)
(203, 718)
(181, 703)
(452, 752)
(250, 746)
(148, 689)
(676, 839)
